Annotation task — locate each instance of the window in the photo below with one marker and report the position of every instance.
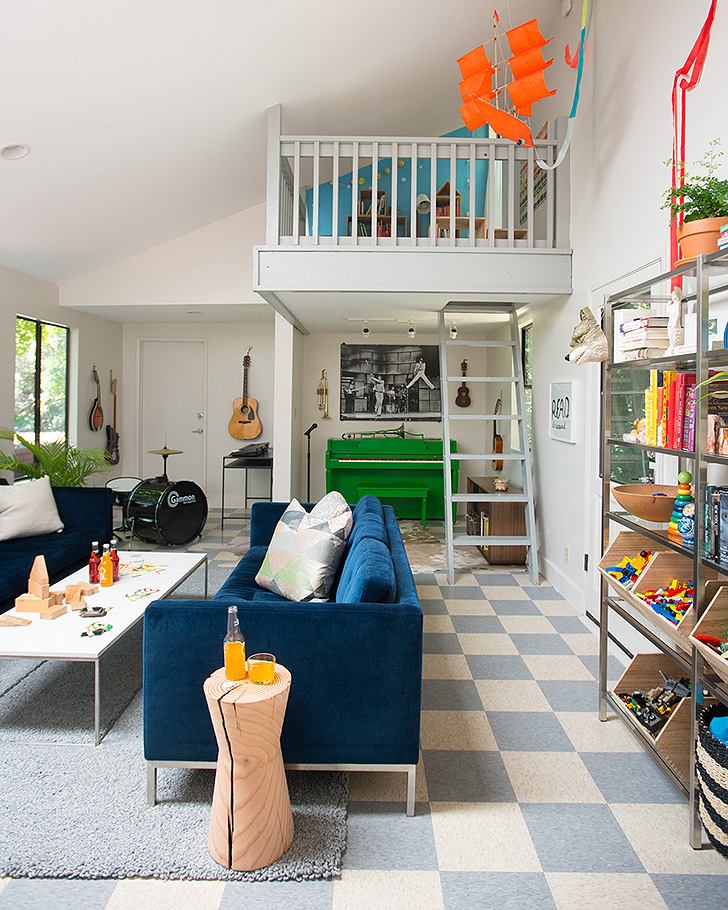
(41, 380)
(527, 361)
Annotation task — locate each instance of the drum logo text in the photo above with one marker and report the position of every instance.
(174, 498)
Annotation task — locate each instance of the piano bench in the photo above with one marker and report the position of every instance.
(398, 493)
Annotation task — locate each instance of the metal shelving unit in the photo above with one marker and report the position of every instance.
(702, 282)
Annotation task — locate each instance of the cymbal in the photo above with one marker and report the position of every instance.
(165, 451)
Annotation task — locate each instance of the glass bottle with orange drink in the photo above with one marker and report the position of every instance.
(234, 647)
(106, 569)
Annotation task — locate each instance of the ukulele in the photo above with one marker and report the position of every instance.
(244, 424)
(463, 397)
(96, 415)
(112, 437)
(497, 440)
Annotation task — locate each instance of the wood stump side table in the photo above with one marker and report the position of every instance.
(251, 825)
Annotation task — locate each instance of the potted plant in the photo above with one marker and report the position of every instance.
(703, 201)
(63, 463)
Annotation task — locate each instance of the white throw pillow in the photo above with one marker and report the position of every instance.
(331, 506)
(304, 554)
(28, 508)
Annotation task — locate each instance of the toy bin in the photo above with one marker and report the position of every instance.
(673, 739)
(714, 622)
(711, 770)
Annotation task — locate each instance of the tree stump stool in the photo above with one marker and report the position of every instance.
(251, 824)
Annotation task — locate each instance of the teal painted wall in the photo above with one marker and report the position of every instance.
(404, 188)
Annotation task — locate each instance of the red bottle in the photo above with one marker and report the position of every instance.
(93, 564)
(114, 561)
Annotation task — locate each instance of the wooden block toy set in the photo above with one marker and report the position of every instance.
(50, 604)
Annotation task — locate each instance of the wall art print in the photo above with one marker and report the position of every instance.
(390, 381)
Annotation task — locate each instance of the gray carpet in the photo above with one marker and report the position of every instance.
(72, 810)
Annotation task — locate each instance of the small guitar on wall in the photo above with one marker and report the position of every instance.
(244, 424)
(497, 438)
(112, 437)
(96, 415)
(463, 397)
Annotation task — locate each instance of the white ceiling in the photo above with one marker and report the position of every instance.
(147, 118)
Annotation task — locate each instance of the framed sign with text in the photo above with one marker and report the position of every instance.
(561, 420)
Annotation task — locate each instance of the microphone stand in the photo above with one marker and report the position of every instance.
(307, 434)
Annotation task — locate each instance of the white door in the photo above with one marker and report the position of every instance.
(172, 407)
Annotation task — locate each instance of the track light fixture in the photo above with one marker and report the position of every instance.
(411, 331)
(453, 330)
(365, 329)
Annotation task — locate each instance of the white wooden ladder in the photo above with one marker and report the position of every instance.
(446, 318)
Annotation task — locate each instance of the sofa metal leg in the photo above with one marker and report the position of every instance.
(411, 776)
(151, 783)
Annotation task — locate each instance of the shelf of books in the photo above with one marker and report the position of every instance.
(665, 414)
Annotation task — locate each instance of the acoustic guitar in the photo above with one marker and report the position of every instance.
(112, 437)
(463, 396)
(96, 415)
(497, 439)
(244, 424)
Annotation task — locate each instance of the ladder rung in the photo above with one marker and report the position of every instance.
(482, 417)
(481, 344)
(488, 456)
(489, 497)
(482, 378)
(466, 540)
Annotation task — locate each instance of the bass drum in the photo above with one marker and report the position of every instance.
(162, 512)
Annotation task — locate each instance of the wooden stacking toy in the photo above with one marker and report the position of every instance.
(684, 496)
(49, 604)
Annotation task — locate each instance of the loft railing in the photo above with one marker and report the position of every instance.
(445, 192)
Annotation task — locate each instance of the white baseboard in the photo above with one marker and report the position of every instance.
(563, 584)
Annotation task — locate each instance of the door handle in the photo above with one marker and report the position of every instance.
(197, 431)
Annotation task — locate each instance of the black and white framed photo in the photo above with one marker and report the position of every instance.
(386, 381)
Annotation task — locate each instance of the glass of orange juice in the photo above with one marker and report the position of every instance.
(261, 668)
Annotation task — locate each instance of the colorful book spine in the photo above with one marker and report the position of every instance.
(691, 419)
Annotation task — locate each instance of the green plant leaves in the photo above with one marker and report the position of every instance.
(62, 463)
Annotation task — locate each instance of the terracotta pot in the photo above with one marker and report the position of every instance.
(699, 236)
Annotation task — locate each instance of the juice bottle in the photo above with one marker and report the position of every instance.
(106, 569)
(114, 560)
(93, 564)
(234, 647)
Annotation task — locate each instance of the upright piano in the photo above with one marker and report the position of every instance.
(404, 472)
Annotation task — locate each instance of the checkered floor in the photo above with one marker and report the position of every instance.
(525, 801)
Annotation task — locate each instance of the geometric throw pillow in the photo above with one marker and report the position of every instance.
(27, 509)
(304, 554)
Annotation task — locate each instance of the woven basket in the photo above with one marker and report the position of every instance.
(712, 774)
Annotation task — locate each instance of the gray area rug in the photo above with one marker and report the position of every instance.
(72, 810)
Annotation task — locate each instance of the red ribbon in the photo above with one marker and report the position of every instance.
(686, 78)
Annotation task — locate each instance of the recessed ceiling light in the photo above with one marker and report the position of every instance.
(14, 150)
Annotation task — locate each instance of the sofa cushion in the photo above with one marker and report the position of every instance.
(369, 525)
(240, 584)
(304, 554)
(27, 509)
(368, 574)
(366, 505)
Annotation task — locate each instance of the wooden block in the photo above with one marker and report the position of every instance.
(87, 588)
(56, 598)
(6, 620)
(53, 612)
(73, 593)
(37, 588)
(28, 603)
(79, 604)
(39, 572)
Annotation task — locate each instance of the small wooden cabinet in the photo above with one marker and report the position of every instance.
(506, 518)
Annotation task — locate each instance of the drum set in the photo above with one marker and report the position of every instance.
(158, 510)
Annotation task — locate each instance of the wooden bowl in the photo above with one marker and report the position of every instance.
(639, 499)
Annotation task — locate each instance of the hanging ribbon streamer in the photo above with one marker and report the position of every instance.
(585, 17)
(686, 78)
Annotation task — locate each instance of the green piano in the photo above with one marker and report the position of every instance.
(407, 473)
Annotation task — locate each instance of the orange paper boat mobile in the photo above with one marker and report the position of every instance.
(525, 85)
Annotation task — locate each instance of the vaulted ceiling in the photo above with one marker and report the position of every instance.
(146, 119)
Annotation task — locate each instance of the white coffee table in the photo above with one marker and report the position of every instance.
(125, 600)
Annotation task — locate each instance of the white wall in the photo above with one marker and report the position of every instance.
(93, 341)
(622, 137)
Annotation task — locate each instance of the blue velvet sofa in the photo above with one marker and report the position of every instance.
(356, 660)
(87, 515)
